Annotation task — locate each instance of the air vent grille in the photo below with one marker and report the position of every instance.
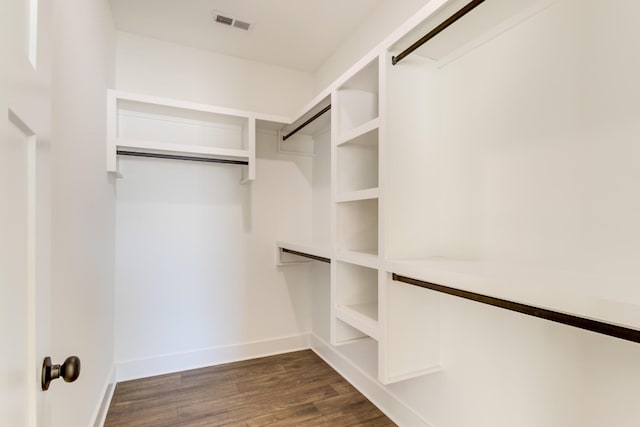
(230, 21)
(224, 20)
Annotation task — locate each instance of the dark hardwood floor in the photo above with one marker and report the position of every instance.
(293, 389)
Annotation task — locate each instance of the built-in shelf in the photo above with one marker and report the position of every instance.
(356, 300)
(363, 317)
(139, 123)
(366, 258)
(364, 129)
(353, 196)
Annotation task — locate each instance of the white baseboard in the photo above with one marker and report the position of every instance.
(165, 364)
(376, 392)
(100, 414)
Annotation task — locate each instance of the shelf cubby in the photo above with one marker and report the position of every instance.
(358, 99)
(358, 226)
(357, 297)
(358, 163)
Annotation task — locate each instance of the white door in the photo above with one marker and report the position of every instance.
(24, 211)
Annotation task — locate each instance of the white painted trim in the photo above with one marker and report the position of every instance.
(100, 413)
(379, 395)
(169, 363)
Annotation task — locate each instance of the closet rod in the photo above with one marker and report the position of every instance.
(437, 30)
(315, 116)
(609, 329)
(176, 157)
(302, 254)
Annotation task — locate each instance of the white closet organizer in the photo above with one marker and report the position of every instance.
(355, 176)
(143, 125)
(476, 167)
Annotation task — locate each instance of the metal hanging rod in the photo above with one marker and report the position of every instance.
(177, 157)
(609, 329)
(314, 117)
(437, 30)
(302, 254)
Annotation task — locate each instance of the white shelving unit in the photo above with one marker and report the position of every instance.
(356, 194)
(149, 124)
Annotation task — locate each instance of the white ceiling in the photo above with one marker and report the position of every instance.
(298, 34)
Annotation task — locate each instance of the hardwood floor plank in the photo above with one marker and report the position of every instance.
(293, 389)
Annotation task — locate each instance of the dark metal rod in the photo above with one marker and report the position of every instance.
(315, 116)
(314, 257)
(609, 329)
(437, 30)
(176, 157)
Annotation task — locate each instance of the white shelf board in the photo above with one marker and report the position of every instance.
(353, 196)
(568, 292)
(363, 317)
(180, 148)
(311, 247)
(364, 258)
(359, 131)
(195, 106)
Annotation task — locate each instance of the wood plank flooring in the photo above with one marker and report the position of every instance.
(293, 389)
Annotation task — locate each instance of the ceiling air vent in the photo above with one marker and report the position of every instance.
(229, 20)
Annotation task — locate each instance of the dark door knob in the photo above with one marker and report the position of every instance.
(69, 371)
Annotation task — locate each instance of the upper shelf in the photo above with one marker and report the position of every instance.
(161, 126)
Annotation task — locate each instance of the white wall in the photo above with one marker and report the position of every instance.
(164, 69)
(83, 200)
(196, 282)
